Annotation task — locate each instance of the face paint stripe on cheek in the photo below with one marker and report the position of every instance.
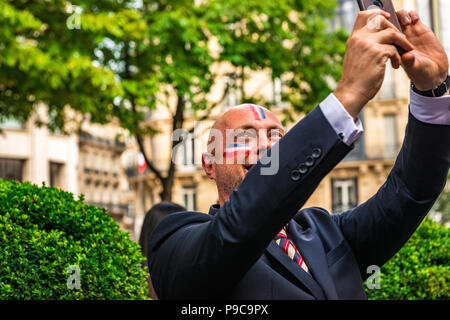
(236, 150)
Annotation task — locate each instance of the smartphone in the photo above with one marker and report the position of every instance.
(387, 6)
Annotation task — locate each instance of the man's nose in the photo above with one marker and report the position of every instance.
(264, 143)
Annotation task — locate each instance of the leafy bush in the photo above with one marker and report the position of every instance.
(44, 231)
(420, 270)
(442, 204)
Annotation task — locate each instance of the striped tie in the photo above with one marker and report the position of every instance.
(290, 249)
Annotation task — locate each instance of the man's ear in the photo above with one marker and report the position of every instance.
(207, 164)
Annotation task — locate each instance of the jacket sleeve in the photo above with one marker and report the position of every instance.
(379, 227)
(207, 259)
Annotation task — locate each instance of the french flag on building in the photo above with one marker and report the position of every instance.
(142, 165)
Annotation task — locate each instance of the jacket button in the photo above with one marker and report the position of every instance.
(295, 175)
(302, 168)
(309, 161)
(316, 153)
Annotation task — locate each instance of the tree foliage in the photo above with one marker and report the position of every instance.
(127, 56)
(42, 60)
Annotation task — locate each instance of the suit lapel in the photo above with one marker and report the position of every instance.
(310, 247)
(276, 252)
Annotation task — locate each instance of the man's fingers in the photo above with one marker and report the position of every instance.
(392, 36)
(392, 53)
(364, 16)
(408, 59)
(403, 17)
(377, 23)
(414, 16)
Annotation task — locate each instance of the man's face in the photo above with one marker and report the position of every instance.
(238, 139)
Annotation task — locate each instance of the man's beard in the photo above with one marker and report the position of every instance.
(229, 182)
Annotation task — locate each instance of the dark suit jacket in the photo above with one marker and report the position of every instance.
(230, 253)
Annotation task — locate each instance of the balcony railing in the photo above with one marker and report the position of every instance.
(373, 152)
(112, 207)
(86, 136)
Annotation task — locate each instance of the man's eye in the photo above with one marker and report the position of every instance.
(245, 134)
(275, 134)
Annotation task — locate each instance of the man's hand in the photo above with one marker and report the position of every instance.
(369, 47)
(426, 65)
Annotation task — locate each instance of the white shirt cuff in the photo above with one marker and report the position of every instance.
(341, 121)
(430, 110)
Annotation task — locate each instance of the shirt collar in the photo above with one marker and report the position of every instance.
(214, 209)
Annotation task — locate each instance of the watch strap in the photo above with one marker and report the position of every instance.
(437, 92)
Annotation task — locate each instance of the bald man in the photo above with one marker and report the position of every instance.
(255, 244)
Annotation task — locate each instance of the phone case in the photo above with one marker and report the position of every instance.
(386, 5)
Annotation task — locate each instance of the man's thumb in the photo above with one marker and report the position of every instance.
(408, 59)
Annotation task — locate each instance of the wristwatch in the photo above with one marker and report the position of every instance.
(437, 92)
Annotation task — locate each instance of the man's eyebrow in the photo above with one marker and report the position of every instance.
(247, 127)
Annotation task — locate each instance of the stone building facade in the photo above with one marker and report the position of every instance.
(353, 181)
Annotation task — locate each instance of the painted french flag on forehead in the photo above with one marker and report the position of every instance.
(236, 149)
(258, 111)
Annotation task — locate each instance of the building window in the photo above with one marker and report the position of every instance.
(56, 174)
(11, 169)
(188, 196)
(106, 195)
(87, 162)
(87, 190)
(94, 162)
(436, 15)
(189, 151)
(106, 164)
(390, 136)
(96, 193)
(344, 194)
(130, 211)
(143, 200)
(345, 16)
(11, 123)
(426, 13)
(115, 195)
(277, 85)
(444, 23)
(358, 152)
(233, 96)
(387, 90)
(115, 166)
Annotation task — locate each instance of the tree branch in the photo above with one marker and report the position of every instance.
(214, 105)
(177, 123)
(138, 137)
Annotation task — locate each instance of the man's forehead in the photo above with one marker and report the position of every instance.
(259, 112)
(245, 116)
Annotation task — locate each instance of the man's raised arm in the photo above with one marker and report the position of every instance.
(378, 228)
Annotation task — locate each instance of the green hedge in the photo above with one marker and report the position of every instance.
(44, 231)
(420, 270)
